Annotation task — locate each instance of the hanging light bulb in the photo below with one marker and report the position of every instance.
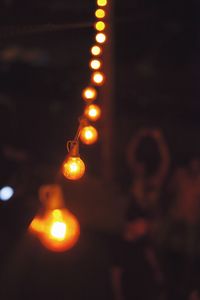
(100, 25)
(95, 64)
(100, 37)
(89, 94)
(92, 112)
(98, 78)
(88, 135)
(58, 230)
(100, 13)
(102, 2)
(96, 50)
(73, 168)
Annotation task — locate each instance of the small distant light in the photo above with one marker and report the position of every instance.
(6, 193)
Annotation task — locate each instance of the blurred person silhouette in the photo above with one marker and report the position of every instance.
(182, 232)
(136, 272)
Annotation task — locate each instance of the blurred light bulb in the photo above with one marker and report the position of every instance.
(73, 168)
(89, 94)
(100, 38)
(100, 25)
(95, 64)
(96, 50)
(98, 78)
(88, 135)
(92, 112)
(100, 13)
(59, 230)
(102, 2)
(6, 193)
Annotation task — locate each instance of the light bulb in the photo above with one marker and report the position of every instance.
(6, 193)
(100, 25)
(95, 64)
(100, 13)
(102, 2)
(100, 38)
(88, 135)
(73, 168)
(98, 78)
(59, 230)
(92, 112)
(89, 94)
(96, 50)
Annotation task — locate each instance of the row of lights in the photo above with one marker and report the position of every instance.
(58, 229)
(73, 167)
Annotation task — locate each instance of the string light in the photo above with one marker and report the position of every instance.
(95, 64)
(98, 78)
(100, 25)
(102, 2)
(89, 94)
(100, 13)
(92, 112)
(96, 50)
(100, 38)
(88, 135)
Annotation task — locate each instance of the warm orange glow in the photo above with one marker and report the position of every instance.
(89, 135)
(98, 78)
(73, 168)
(102, 2)
(92, 112)
(89, 94)
(100, 13)
(95, 64)
(100, 38)
(36, 225)
(96, 50)
(60, 230)
(100, 25)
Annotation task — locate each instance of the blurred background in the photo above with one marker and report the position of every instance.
(44, 55)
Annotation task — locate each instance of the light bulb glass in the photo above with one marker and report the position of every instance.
(73, 168)
(100, 38)
(100, 25)
(96, 50)
(98, 78)
(6, 193)
(88, 135)
(92, 112)
(95, 64)
(102, 2)
(100, 13)
(89, 94)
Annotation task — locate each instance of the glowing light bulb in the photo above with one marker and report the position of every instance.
(96, 50)
(100, 25)
(73, 168)
(89, 94)
(102, 2)
(88, 135)
(100, 13)
(95, 64)
(59, 230)
(6, 193)
(98, 78)
(92, 112)
(100, 38)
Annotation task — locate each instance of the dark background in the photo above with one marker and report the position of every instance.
(43, 69)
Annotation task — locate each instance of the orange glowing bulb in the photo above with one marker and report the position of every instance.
(92, 112)
(96, 50)
(89, 94)
(100, 25)
(102, 2)
(61, 230)
(100, 38)
(88, 135)
(95, 64)
(98, 78)
(73, 168)
(100, 13)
